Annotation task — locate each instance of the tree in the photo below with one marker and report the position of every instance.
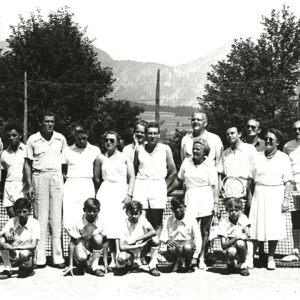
(257, 79)
(63, 72)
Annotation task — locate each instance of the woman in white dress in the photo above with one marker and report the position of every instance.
(272, 175)
(202, 194)
(117, 172)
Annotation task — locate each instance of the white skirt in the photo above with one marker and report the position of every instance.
(76, 191)
(111, 196)
(199, 201)
(267, 221)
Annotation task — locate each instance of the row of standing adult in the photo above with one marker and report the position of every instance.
(153, 163)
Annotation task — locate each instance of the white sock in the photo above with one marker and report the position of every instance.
(153, 261)
(95, 259)
(6, 259)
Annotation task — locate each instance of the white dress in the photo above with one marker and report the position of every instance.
(198, 180)
(266, 218)
(112, 192)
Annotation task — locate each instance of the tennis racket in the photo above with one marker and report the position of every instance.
(232, 187)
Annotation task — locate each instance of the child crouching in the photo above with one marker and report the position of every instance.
(18, 240)
(234, 234)
(182, 235)
(88, 238)
(136, 238)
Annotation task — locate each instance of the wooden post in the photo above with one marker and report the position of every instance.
(25, 109)
(157, 97)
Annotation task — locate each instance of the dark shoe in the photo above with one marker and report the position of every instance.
(35, 266)
(80, 270)
(98, 273)
(59, 266)
(154, 272)
(245, 272)
(24, 272)
(5, 274)
(230, 269)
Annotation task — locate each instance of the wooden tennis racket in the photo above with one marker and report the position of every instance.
(232, 187)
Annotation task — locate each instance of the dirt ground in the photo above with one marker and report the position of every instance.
(214, 283)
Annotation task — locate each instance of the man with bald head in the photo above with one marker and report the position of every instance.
(199, 123)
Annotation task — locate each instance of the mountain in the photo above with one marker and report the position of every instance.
(179, 85)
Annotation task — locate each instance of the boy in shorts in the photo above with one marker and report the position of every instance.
(234, 235)
(88, 238)
(137, 237)
(18, 240)
(182, 236)
(155, 170)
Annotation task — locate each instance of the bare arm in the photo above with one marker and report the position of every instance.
(287, 190)
(177, 182)
(226, 244)
(131, 179)
(170, 166)
(215, 192)
(27, 171)
(97, 171)
(136, 160)
(31, 246)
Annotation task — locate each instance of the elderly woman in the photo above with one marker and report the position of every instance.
(202, 195)
(117, 172)
(272, 175)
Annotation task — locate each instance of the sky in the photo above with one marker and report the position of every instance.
(170, 32)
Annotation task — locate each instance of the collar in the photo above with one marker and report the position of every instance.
(55, 136)
(21, 146)
(239, 147)
(85, 221)
(88, 146)
(17, 223)
(179, 221)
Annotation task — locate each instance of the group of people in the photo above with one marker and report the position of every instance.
(114, 202)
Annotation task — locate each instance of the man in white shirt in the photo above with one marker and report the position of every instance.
(199, 123)
(12, 162)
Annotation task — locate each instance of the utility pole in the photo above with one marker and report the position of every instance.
(25, 109)
(157, 97)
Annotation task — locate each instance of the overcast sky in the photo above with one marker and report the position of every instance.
(171, 32)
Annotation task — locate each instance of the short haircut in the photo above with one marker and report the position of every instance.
(278, 134)
(45, 113)
(134, 206)
(152, 125)
(91, 202)
(111, 132)
(234, 202)
(238, 127)
(177, 200)
(13, 126)
(80, 128)
(203, 142)
(142, 123)
(255, 120)
(22, 203)
(200, 112)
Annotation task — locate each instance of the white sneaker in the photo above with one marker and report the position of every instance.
(271, 265)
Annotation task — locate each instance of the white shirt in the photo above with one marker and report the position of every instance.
(292, 149)
(213, 140)
(13, 163)
(237, 163)
(80, 161)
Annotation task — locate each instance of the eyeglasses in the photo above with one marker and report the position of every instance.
(109, 140)
(251, 126)
(295, 129)
(268, 139)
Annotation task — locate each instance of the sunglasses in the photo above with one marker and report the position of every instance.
(109, 140)
(251, 126)
(295, 129)
(268, 139)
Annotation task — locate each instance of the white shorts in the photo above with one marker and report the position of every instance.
(151, 193)
(12, 192)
